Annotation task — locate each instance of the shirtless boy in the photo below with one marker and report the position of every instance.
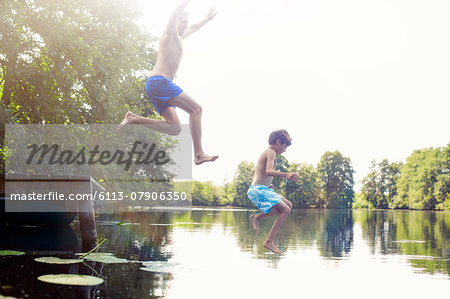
(164, 94)
(263, 196)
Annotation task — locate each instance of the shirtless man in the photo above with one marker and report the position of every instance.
(261, 193)
(164, 94)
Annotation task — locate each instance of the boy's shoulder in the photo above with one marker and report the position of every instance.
(269, 153)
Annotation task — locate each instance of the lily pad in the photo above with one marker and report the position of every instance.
(7, 297)
(11, 252)
(57, 260)
(71, 279)
(158, 266)
(127, 223)
(409, 241)
(104, 257)
(108, 222)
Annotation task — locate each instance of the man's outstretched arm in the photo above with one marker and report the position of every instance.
(173, 21)
(194, 27)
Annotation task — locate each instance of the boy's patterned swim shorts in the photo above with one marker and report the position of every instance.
(263, 197)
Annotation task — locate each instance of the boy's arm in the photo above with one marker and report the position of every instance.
(194, 27)
(270, 169)
(173, 21)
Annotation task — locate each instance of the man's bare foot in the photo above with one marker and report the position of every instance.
(255, 222)
(271, 246)
(126, 121)
(202, 158)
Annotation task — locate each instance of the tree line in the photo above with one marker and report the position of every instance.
(328, 185)
(421, 183)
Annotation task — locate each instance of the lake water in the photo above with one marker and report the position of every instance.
(216, 254)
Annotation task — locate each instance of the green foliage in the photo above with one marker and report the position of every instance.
(227, 194)
(203, 193)
(424, 182)
(279, 184)
(306, 193)
(380, 185)
(336, 174)
(206, 194)
(241, 182)
(72, 61)
(361, 202)
(220, 198)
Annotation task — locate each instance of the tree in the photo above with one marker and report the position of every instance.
(336, 174)
(390, 173)
(241, 182)
(369, 188)
(379, 186)
(203, 194)
(306, 193)
(424, 181)
(72, 61)
(278, 183)
(227, 194)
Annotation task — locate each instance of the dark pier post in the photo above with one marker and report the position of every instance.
(87, 226)
(86, 216)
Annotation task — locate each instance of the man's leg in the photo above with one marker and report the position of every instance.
(186, 103)
(283, 211)
(170, 125)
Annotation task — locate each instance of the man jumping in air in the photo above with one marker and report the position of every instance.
(164, 94)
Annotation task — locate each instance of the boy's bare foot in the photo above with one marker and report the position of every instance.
(126, 121)
(202, 158)
(255, 222)
(271, 246)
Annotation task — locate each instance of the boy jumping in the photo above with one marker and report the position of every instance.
(262, 195)
(164, 94)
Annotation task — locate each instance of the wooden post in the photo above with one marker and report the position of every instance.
(86, 216)
(88, 230)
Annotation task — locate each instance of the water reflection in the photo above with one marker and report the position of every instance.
(45, 238)
(148, 236)
(215, 248)
(422, 236)
(135, 237)
(19, 274)
(337, 234)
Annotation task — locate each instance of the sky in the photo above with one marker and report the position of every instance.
(367, 78)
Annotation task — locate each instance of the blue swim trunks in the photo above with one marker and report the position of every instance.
(160, 90)
(263, 197)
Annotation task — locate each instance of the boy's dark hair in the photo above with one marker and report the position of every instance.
(283, 135)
